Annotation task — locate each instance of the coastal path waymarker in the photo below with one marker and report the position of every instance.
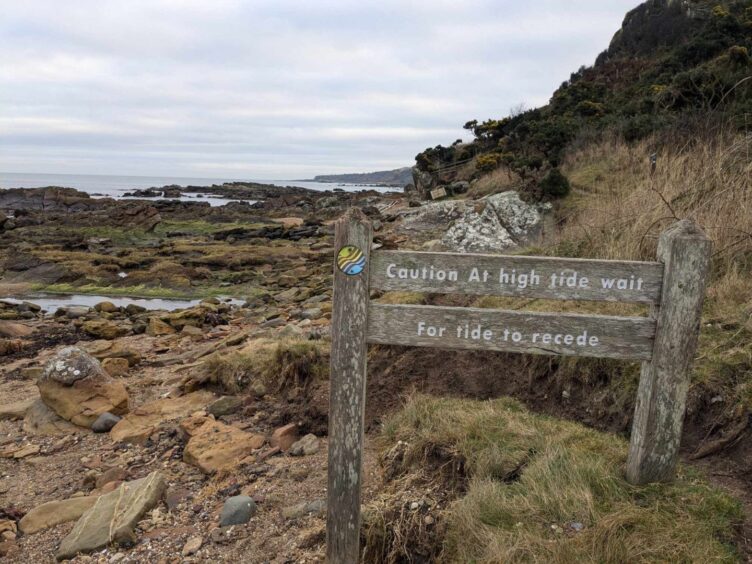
(665, 341)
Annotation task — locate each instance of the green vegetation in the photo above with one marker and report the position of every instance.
(673, 66)
(530, 488)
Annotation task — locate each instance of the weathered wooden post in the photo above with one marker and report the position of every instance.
(684, 251)
(347, 386)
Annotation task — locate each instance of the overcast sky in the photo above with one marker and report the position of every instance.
(273, 89)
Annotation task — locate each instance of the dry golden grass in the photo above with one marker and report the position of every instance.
(496, 181)
(539, 489)
(618, 210)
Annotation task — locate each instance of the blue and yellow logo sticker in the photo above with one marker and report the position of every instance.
(351, 260)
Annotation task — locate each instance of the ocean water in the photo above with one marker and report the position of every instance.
(100, 185)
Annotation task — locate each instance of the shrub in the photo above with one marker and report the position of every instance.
(554, 184)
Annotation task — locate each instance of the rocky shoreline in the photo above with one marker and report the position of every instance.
(207, 423)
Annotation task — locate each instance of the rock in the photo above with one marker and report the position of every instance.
(134, 309)
(135, 216)
(16, 410)
(41, 420)
(9, 549)
(225, 405)
(102, 350)
(113, 517)
(157, 327)
(492, 224)
(192, 546)
(215, 446)
(13, 330)
(114, 474)
(55, 512)
(105, 329)
(116, 367)
(237, 510)
(138, 425)
(75, 386)
(316, 507)
(105, 423)
(192, 331)
(106, 307)
(73, 312)
(313, 313)
(284, 437)
(309, 444)
(18, 452)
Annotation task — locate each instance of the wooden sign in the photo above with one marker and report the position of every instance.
(665, 341)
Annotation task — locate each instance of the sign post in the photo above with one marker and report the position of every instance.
(665, 341)
(347, 386)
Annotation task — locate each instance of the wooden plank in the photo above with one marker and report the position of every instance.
(499, 330)
(662, 394)
(517, 276)
(347, 389)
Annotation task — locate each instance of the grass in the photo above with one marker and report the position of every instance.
(280, 365)
(139, 291)
(619, 209)
(531, 488)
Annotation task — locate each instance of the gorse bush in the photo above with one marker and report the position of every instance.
(554, 184)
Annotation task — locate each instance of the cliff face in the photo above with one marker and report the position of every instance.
(397, 177)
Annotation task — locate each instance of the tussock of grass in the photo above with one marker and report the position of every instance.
(286, 365)
(532, 480)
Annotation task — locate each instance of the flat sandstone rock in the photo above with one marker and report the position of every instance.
(113, 517)
(55, 512)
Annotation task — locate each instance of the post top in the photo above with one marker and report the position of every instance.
(354, 214)
(684, 229)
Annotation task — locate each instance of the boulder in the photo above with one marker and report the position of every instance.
(237, 510)
(105, 423)
(106, 307)
(225, 405)
(308, 445)
(142, 421)
(105, 329)
(13, 330)
(492, 224)
(75, 386)
(315, 507)
(41, 420)
(284, 437)
(157, 327)
(113, 517)
(107, 349)
(55, 512)
(214, 446)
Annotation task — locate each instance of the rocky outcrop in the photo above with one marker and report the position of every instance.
(136, 216)
(75, 386)
(138, 425)
(114, 516)
(52, 198)
(492, 224)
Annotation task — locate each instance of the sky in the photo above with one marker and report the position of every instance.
(274, 89)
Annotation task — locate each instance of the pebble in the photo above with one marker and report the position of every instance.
(237, 510)
(192, 546)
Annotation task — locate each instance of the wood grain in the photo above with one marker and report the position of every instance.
(347, 390)
(651, 274)
(618, 337)
(662, 394)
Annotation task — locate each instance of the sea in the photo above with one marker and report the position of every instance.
(111, 186)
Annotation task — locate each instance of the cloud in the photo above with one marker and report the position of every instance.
(273, 88)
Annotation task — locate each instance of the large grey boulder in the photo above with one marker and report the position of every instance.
(489, 225)
(114, 516)
(237, 510)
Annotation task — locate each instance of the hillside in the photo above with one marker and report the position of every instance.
(673, 66)
(397, 177)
